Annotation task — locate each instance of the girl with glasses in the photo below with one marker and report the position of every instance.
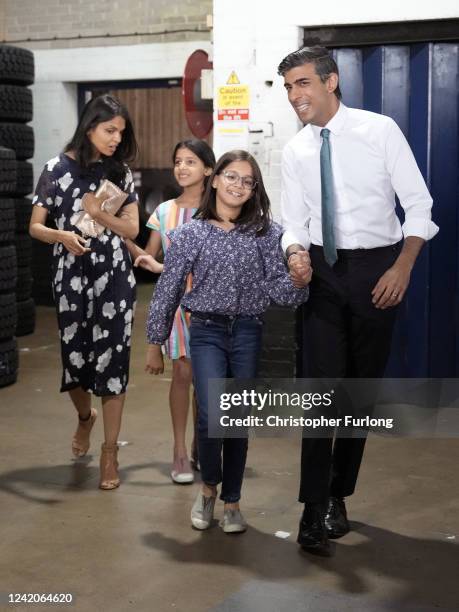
(193, 162)
(232, 249)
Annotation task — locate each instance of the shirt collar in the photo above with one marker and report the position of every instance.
(336, 123)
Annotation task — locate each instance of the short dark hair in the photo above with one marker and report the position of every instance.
(256, 212)
(322, 59)
(98, 110)
(201, 149)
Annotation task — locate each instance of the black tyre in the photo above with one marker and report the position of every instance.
(24, 284)
(9, 361)
(8, 315)
(23, 250)
(8, 170)
(16, 65)
(23, 211)
(26, 317)
(24, 181)
(15, 103)
(7, 220)
(8, 268)
(18, 137)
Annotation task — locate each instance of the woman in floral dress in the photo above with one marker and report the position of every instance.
(93, 282)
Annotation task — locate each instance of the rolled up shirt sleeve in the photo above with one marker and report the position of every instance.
(277, 282)
(409, 185)
(169, 289)
(295, 212)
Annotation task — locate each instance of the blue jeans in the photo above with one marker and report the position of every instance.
(224, 347)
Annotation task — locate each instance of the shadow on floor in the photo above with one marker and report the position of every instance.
(31, 484)
(417, 564)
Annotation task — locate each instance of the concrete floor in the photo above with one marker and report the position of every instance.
(134, 549)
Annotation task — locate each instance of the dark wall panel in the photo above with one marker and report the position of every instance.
(418, 86)
(351, 83)
(444, 186)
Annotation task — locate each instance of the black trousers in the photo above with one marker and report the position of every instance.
(344, 335)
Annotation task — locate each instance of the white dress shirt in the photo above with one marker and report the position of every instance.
(371, 162)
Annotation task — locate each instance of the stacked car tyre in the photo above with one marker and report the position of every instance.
(8, 269)
(16, 110)
(17, 310)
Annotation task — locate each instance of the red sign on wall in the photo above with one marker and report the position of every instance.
(233, 114)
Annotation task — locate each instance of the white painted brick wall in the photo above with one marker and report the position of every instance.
(55, 118)
(58, 71)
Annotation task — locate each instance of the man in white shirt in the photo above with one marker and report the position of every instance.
(340, 175)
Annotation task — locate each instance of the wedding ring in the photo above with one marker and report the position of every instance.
(395, 294)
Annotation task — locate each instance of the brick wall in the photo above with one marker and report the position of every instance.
(39, 20)
(280, 343)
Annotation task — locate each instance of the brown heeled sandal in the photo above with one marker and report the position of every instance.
(80, 441)
(109, 478)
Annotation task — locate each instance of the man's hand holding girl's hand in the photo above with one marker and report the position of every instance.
(299, 264)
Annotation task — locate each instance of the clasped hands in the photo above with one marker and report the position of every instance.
(299, 264)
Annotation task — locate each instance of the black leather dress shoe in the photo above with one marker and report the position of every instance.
(336, 522)
(312, 535)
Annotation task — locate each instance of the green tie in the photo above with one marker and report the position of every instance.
(326, 182)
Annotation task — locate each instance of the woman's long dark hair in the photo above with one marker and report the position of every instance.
(256, 212)
(98, 110)
(201, 149)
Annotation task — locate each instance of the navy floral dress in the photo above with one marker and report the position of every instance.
(95, 292)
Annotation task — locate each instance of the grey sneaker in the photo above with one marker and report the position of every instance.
(202, 511)
(233, 522)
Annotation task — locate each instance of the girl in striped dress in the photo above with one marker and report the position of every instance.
(193, 163)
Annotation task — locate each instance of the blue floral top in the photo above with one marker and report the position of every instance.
(234, 273)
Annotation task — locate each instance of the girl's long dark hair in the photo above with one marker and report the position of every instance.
(98, 110)
(201, 149)
(256, 212)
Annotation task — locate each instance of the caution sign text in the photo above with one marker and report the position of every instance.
(233, 96)
(233, 103)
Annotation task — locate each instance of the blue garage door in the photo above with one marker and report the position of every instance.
(418, 86)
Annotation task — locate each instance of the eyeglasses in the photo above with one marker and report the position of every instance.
(232, 178)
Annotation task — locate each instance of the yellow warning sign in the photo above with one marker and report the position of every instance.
(233, 79)
(233, 96)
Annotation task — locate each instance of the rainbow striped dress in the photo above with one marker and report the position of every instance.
(168, 216)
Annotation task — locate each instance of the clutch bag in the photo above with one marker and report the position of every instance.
(114, 199)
